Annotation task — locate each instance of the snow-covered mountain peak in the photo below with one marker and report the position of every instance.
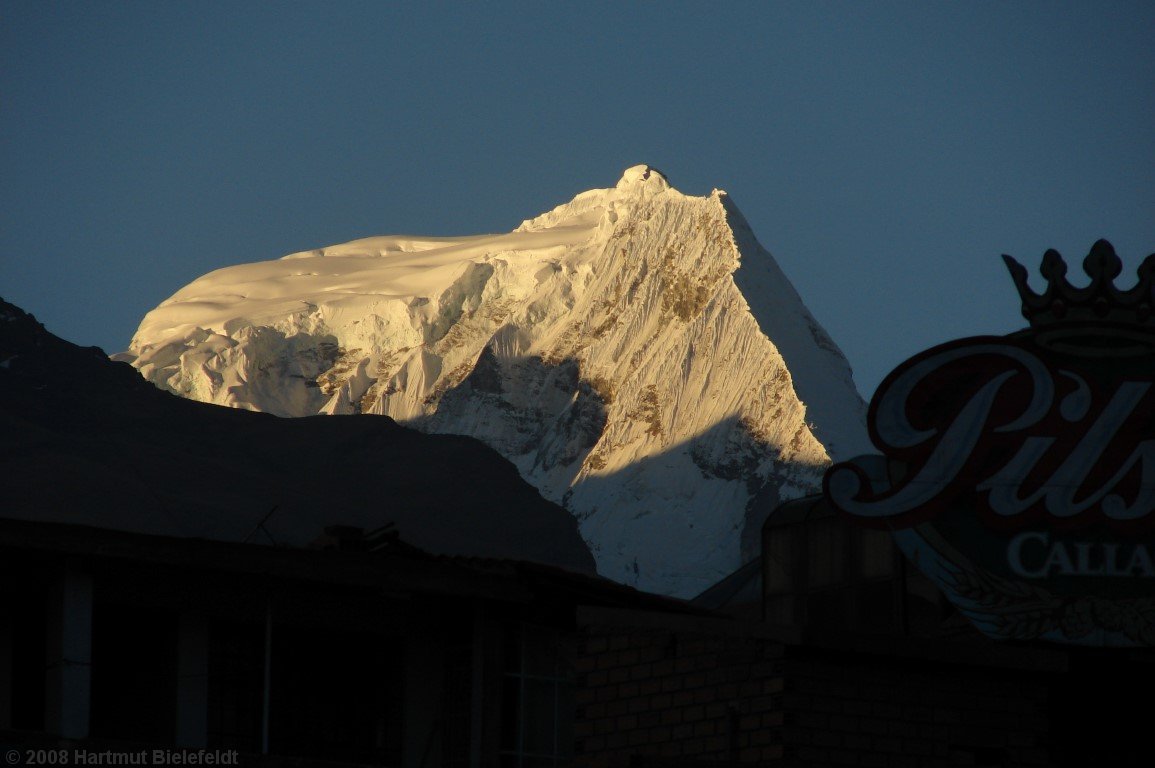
(634, 351)
(601, 208)
(640, 177)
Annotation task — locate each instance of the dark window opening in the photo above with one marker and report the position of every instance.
(23, 625)
(133, 673)
(336, 695)
(537, 699)
(456, 720)
(235, 685)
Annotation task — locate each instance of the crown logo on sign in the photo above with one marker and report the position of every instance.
(1096, 303)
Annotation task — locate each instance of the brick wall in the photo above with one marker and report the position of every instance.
(682, 696)
(653, 697)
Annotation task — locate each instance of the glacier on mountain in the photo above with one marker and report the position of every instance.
(635, 352)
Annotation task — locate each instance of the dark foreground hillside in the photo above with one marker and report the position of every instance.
(85, 440)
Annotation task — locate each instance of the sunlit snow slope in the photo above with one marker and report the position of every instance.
(635, 352)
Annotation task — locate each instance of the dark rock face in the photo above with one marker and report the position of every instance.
(526, 407)
(86, 440)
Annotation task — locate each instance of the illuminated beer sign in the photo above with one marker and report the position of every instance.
(1018, 472)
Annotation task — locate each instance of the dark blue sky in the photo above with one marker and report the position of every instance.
(885, 153)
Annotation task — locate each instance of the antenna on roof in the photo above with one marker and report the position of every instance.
(261, 527)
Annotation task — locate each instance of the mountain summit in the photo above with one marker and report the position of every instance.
(634, 351)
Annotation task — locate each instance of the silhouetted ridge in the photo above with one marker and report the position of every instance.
(85, 440)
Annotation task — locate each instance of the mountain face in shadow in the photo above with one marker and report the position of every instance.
(645, 517)
(86, 440)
